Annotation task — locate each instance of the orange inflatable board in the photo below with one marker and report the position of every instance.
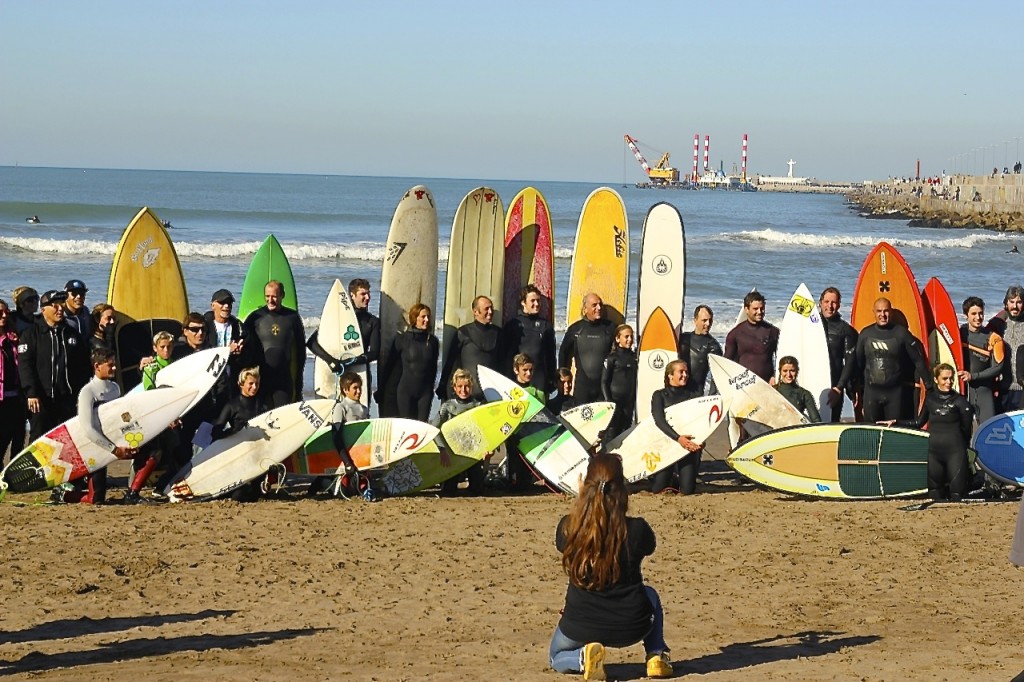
(886, 274)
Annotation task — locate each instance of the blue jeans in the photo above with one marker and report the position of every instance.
(565, 654)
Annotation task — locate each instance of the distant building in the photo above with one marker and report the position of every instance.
(787, 180)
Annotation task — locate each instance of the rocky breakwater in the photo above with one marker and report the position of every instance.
(992, 203)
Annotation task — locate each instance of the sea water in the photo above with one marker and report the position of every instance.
(336, 227)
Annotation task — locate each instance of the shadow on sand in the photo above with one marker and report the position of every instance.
(69, 628)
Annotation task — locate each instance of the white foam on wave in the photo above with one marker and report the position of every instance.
(771, 236)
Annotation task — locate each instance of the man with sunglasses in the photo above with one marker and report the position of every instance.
(76, 315)
(224, 330)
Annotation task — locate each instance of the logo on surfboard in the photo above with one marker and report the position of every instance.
(395, 250)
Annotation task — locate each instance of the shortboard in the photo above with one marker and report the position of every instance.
(266, 440)
(751, 401)
(943, 328)
(339, 335)
(559, 455)
(147, 290)
(662, 275)
(802, 335)
(999, 442)
(837, 460)
(269, 263)
(529, 253)
(886, 274)
(198, 372)
(65, 454)
(657, 349)
(371, 443)
(600, 257)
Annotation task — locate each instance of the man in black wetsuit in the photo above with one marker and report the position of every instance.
(528, 332)
(587, 343)
(275, 337)
(753, 342)
(889, 356)
(1009, 324)
(369, 327)
(475, 344)
(984, 360)
(842, 343)
(695, 347)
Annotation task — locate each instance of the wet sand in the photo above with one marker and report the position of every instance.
(756, 585)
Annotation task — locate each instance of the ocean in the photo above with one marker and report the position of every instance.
(336, 227)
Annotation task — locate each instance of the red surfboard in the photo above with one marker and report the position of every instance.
(941, 322)
(529, 253)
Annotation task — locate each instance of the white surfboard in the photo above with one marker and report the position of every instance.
(656, 350)
(752, 402)
(267, 439)
(802, 335)
(662, 276)
(742, 317)
(646, 450)
(339, 335)
(198, 371)
(562, 456)
(65, 453)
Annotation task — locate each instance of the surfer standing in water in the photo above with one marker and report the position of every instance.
(606, 602)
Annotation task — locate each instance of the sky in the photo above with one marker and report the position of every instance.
(518, 90)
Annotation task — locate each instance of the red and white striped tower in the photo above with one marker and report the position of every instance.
(743, 160)
(696, 156)
(707, 143)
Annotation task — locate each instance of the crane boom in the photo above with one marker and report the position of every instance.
(662, 174)
(636, 152)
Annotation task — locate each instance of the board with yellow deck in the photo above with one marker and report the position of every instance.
(600, 259)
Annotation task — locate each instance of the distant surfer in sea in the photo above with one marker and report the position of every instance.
(34, 220)
(1013, 250)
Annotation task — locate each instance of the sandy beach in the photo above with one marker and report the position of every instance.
(756, 585)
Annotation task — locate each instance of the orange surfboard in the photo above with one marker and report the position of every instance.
(886, 274)
(657, 349)
(943, 325)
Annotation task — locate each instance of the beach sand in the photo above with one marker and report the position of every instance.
(756, 586)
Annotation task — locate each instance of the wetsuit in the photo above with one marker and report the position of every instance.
(949, 418)
(888, 357)
(1011, 384)
(232, 418)
(12, 401)
(753, 346)
(587, 343)
(408, 374)
(695, 349)
(451, 408)
(474, 344)
(222, 336)
(842, 344)
(618, 385)
(53, 363)
(560, 403)
(686, 468)
(533, 335)
(985, 359)
(369, 330)
(801, 399)
(281, 351)
(93, 489)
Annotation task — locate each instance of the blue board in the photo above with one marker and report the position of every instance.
(999, 443)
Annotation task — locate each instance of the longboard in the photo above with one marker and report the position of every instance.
(600, 258)
(943, 328)
(662, 274)
(657, 349)
(529, 253)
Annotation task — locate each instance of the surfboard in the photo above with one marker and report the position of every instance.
(267, 439)
(147, 290)
(476, 261)
(198, 371)
(662, 275)
(886, 274)
(65, 454)
(529, 253)
(600, 259)
(371, 443)
(559, 455)
(999, 442)
(268, 263)
(496, 386)
(340, 336)
(751, 401)
(473, 434)
(742, 316)
(409, 272)
(837, 460)
(802, 335)
(657, 349)
(943, 328)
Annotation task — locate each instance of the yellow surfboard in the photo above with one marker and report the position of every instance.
(147, 289)
(600, 260)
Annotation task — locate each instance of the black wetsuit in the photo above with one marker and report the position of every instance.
(801, 399)
(281, 352)
(474, 344)
(369, 329)
(889, 357)
(842, 344)
(985, 359)
(587, 343)
(753, 346)
(695, 349)
(408, 374)
(686, 468)
(53, 364)
(949, 418)
(233, 416)
(226, 386)
(618, 385)
(533, 335)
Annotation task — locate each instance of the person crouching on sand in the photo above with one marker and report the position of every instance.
(606, 603)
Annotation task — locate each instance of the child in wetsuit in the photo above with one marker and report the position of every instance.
(520, 477)
(462, 389)
(618, 381)
(563, 400)
(798, 397)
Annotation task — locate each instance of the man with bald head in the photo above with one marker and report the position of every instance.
(586, 344)
(475, 344)
(889, 357)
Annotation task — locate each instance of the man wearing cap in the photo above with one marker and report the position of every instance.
(76, 315)
(53, 361)
(276, 339)
(224, 330)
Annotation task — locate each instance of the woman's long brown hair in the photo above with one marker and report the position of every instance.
(595, 531)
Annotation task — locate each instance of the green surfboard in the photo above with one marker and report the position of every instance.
(268, 263)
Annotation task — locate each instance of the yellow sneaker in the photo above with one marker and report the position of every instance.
(658, 665)
(593, 661)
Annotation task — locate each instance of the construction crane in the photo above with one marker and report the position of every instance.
(662, 173)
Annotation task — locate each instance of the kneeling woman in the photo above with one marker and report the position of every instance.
(607, 603)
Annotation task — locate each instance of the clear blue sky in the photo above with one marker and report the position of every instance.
(517, 90)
